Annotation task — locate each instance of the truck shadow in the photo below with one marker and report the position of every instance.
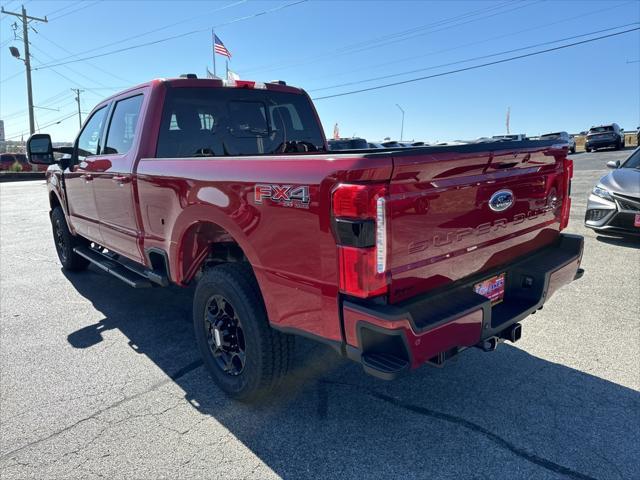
(481, 416)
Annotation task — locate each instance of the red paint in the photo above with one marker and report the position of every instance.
(439, 227)
(464, 331)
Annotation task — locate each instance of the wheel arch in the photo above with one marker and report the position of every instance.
(54, 201)
(198, 242)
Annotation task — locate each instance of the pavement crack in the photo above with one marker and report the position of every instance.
(495, 438)
(172, 378)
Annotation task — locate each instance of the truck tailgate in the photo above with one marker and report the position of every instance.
(450, 215)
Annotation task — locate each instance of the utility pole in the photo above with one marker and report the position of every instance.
(27, 57)
(402, 125)
(77, 91)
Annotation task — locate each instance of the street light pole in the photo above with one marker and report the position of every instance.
(27, 60)
(402, 125)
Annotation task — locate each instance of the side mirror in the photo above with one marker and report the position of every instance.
(40, 149)
(613, 164)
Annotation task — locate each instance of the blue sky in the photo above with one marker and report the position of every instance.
(317, 44)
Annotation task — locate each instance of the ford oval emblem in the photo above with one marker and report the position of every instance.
(501, 200)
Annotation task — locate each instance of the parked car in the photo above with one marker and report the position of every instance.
(563, 137)
(348, 144)
(8, 163)
(517, 137)
(614, 203)
(604, 136)
(394, 260)
(399, 144)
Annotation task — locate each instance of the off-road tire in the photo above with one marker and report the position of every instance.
(267, 353)
(65, 242)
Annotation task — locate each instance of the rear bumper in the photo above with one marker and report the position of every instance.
(388, 339)
(609, 142)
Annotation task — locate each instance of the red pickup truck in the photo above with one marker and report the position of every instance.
(394, 257)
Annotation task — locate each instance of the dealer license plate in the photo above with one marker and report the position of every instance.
(492, 288)
(636, 222)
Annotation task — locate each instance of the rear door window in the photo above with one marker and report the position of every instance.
(123, 125)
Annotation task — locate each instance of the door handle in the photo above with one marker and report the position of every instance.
(121, 179)
(87, 177)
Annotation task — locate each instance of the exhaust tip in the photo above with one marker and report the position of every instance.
(512, 333)
(489, 344)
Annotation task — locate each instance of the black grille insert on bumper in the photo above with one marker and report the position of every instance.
(596, 214)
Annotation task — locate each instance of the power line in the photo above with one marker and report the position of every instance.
(482, 57)
(72, 4)
(474, 67)
(41, 115)
(54, 122)
(117, 42)
(477, 42)
(85, 5)
(404, 35)
(55, 98)
(103, 70)
(10, 77)
(174, 37)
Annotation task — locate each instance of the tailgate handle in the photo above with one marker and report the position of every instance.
(87, 177)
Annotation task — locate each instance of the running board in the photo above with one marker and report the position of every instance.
(115, 268)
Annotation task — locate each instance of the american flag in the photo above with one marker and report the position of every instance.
(219, 48)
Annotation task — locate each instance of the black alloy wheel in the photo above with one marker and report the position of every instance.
(225, 335)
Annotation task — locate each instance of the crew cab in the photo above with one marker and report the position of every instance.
(394, 257)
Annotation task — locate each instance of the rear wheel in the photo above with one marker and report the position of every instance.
(245, 357)
(65, 242)
(587, 149)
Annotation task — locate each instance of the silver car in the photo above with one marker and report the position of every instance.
(563, 137)
(614, 203)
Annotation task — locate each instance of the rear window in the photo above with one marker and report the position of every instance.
(230, 122)
(601, 129)
(551, 136)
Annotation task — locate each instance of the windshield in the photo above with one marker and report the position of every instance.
(601, 129)
(633, 161)
(230, 121)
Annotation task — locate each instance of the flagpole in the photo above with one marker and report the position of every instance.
(227, 64)
(213, 39)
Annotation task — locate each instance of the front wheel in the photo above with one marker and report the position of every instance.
(245, 357)
(65, 242)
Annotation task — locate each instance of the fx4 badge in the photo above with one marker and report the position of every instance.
(296, 196)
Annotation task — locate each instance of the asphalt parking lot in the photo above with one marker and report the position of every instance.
(100, 380)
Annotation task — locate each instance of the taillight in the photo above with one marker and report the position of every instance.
(566, 201)
(360, 226)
